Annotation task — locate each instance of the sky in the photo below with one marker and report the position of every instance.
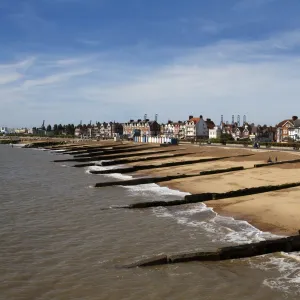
(64, 61)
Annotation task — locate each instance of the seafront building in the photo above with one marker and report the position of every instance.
(288, 130)
(4, 130)
(141, 128)
(99, 131)
(215, 133)
(193, 128)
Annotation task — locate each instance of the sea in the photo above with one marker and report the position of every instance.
(61, 238)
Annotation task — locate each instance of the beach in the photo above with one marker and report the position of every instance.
(63, 237)
(276, 212)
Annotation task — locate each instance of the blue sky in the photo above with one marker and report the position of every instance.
(105, 60)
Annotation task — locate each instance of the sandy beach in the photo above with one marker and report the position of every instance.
(277, 212)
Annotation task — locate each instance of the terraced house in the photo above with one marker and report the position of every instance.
(263, 133)
(141, 128)
(242, 132)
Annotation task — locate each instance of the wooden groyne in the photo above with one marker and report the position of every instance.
(94, 148)
(44, 144)
(127, 161)
(197, 198)
(114, 151)
(277, 163)
(287, 244)
(164, 165)
(144, 180)
(88, 150)
(219, 171)
(69, 149)
(164, 178)
(111, 156)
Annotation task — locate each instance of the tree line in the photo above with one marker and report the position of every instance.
(59, 129)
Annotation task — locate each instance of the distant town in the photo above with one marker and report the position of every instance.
(191, 129)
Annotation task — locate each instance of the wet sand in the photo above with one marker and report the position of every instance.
(277, 212)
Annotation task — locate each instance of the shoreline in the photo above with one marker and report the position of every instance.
(262, 218)
(275, 212)
(251, 219)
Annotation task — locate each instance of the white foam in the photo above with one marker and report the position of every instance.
(224, 229)
(101, 168)
(154, 189)
(227, 229)
(288, 266)
(119, 176)
(58, 151)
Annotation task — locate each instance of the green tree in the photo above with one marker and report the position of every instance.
(55, 129)
(226, 137)
(49, 128)
(60, 129)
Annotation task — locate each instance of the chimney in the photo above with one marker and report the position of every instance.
(294, 118)
(191, 117)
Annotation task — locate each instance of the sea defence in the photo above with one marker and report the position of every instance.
(277, 163)
(127, 161)
(143, 180)
(286, 244)
(148, 180)
(164, 165)
(111, 156)
(197, 198)
(91, 150)
(114, 151)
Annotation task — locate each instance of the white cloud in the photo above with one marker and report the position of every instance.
(257, 78)
(9, 78)
(56, 78)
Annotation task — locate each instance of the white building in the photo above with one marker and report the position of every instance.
(4, 130)
(190, 127)
(294, 131)
(215, 133)
(168, 130)
(202, 128)
(198, 127)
